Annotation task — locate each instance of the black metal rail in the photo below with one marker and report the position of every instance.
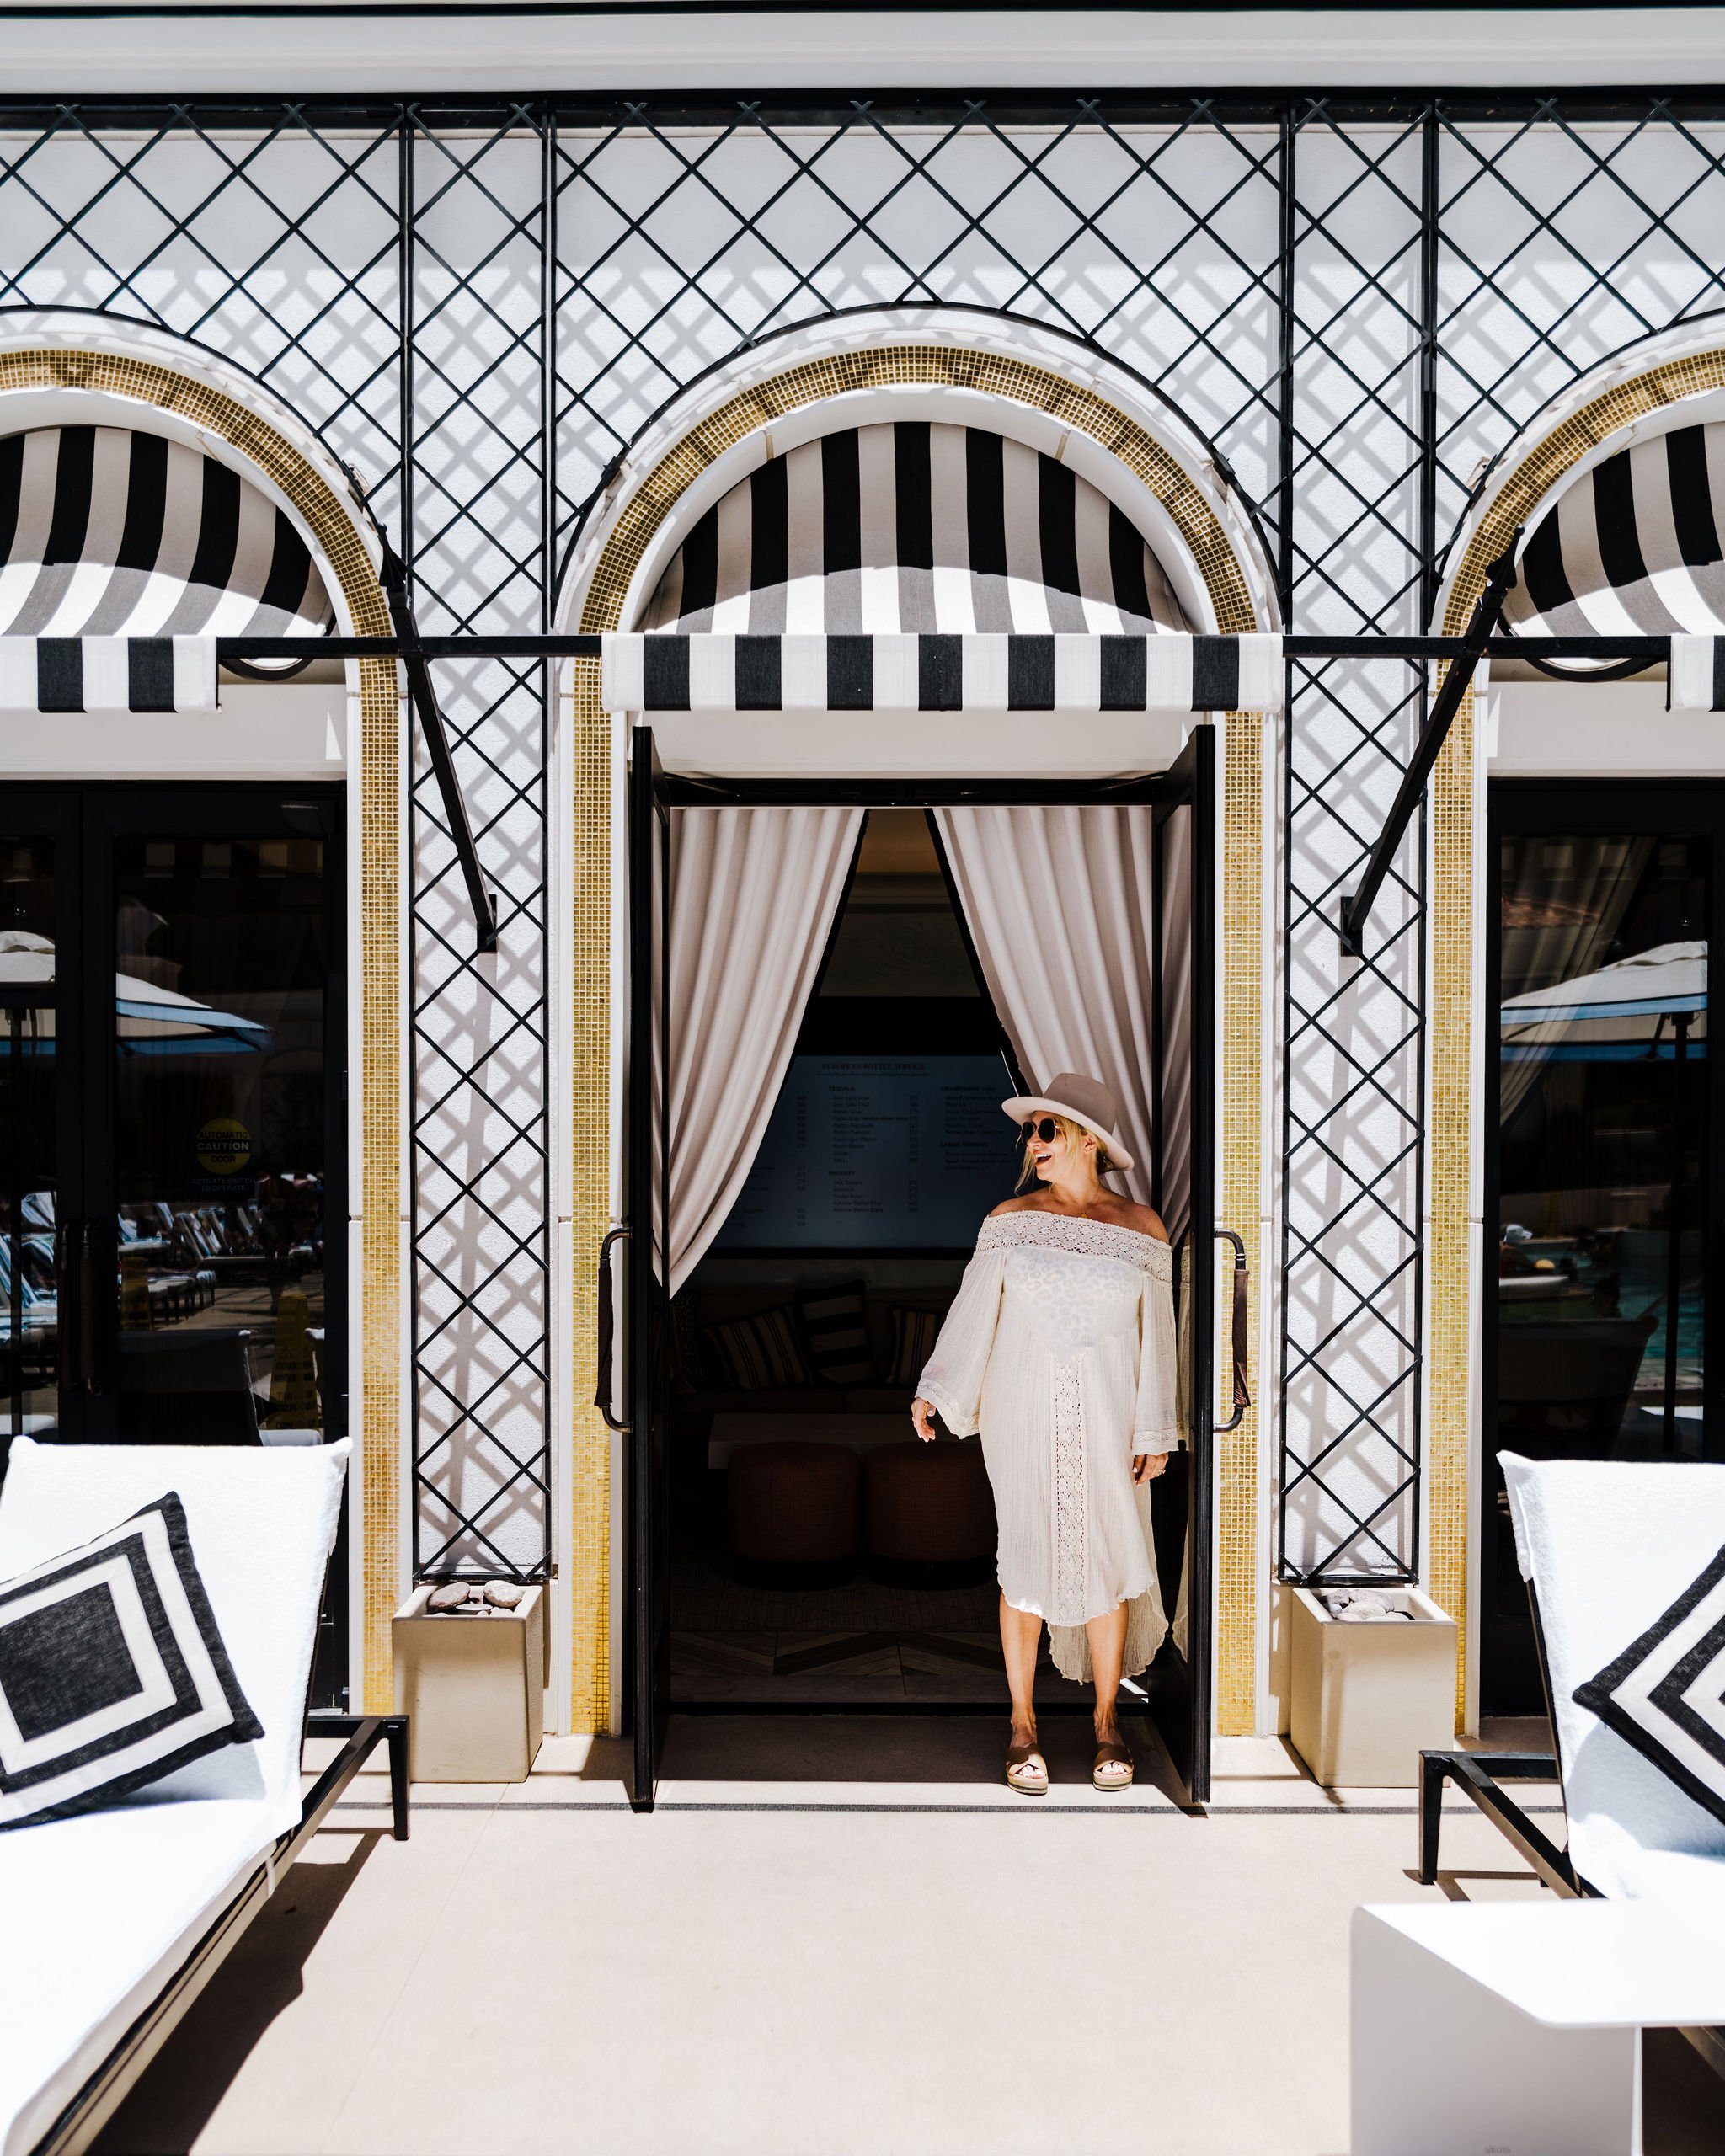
(1644, 651)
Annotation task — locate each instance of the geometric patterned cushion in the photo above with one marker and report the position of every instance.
(1665, 1693)
(759, 1353)
(836, 1332)
(112, 1670)
(914, 1335)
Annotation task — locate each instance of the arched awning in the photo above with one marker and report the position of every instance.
(111, 531)
(914, 528)
(123, 556)
(1633, 547)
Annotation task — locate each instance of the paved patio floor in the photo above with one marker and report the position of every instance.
(837, 1934)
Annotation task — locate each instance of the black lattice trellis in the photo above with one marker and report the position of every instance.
(478, 303)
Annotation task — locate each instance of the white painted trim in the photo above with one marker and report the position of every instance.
(275, 730)
(630, 48)
(1605, 729)
(972, 329)
(911, 745)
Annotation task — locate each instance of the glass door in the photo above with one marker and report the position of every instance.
(1181, 1499)
(1601, 1184)
(37, 1328)
(172, 1185)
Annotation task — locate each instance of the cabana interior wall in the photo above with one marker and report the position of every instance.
(479, 304)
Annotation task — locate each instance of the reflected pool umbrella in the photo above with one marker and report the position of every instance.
(148, 1020)
(1625, 1012)
(1650, 1008)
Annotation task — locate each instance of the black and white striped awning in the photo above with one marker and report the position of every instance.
(59, 673)
(1634, 547)
(914, 528)
(719, 673)
(111, 532)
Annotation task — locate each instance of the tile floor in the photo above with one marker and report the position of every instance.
(835, 1935)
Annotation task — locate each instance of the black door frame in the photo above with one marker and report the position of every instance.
(1191, 779)
(1531, 807)
(83, 817)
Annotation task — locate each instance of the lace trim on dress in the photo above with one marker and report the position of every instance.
(1071, 1526)
(1073, 1232)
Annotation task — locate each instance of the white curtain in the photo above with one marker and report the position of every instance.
(754, 892)
(1060, 904)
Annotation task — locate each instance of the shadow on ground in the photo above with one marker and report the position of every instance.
(178, 2094)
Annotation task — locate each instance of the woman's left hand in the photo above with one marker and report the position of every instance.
(1147, 1465)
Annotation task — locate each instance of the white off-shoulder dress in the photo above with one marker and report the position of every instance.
(1059, 1349)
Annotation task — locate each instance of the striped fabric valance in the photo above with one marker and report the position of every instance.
(912, 528)
(107, 531)
(1634, 547)
(715, 673)
(54, 674)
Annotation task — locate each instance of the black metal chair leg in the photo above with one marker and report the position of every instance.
(396, 1736)
(1432, 1770)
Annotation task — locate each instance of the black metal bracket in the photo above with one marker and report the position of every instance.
(1356, 907)
(425, 703)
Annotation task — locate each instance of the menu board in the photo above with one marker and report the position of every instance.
(879, 1152)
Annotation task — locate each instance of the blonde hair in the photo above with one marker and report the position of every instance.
(1075, 1134)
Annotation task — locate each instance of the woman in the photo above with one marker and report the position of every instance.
(1059, 1349)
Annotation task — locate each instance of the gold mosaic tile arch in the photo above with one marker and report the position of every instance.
(163, 388)
(1449, 1344)
(1014, 381)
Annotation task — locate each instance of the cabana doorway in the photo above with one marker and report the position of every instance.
(704, 986)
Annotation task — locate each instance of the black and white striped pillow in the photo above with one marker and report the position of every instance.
(1665, 1693)
(112, 1671)
(914, 1335)
(836, 1329)
(760, 1354)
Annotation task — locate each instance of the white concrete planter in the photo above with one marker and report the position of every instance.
(1369, 1697)
(475, 1687)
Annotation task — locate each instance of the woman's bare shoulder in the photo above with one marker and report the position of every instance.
(1017, 1205)
(1145, 1219)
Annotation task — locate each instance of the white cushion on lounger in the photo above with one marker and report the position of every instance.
(262, 1522)
(100, 1913)
(1608, 1546)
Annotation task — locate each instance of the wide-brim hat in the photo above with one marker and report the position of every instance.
(1086, 1102)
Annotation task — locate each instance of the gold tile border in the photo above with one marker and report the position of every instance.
(588, 1543)
(1452, 812)
(149, 383)
(1239, 1499)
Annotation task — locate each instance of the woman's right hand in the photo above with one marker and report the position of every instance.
(923, 1420)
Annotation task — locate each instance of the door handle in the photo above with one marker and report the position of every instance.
(84, 1239)
(1242, 1398)
(602, 1390)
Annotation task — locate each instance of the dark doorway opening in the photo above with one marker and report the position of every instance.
(1602, 1197)
(173, 1189)
(908, 1621)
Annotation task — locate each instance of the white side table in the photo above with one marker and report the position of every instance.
(1513, 2028)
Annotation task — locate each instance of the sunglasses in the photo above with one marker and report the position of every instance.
(1046, 1129)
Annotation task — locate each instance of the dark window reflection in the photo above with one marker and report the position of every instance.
(1603, 1042)
(220, 962)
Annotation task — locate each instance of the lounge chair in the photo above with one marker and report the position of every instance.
(1606, 1547)
(115, 1918)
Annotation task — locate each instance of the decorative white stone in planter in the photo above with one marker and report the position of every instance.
(473, 1678)
(1370, 1695)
